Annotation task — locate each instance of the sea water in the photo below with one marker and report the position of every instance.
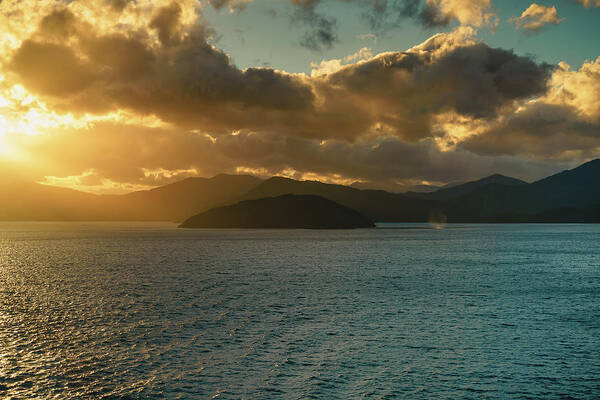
(148, 311)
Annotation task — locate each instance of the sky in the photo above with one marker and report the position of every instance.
(111, 96)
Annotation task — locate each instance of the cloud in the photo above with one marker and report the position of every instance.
(368, 36)
(171, 71)
(467, 12)
(590, 3)
(535, 17)
(181, 77)
(385, 14)
(563, 124)
(117, 5)
(363, 54)
(326, 67)
(320, 29)
(381, 15)
(449, 72)
(166, 21)
(37, 62)
(384, 162)
(232, 5)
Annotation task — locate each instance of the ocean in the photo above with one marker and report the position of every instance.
(407, 311)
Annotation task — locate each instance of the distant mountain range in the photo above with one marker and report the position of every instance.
(452, 192)
(570, 196)
(174, 202)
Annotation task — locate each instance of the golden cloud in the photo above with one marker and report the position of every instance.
(535, 17)
(477, 13)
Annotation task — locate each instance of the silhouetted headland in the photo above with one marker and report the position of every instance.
(283, 212)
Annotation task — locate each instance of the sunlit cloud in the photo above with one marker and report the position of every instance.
(535, 17)
(452, 129)
(160, 174)
(90, 182)
(477, 13)
(330, 66)
(563, 124)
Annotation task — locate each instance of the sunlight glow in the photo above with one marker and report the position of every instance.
(90, 182)
(298, 175)
(4, 148)
(161, 173)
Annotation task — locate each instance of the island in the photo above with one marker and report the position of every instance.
(288, 211)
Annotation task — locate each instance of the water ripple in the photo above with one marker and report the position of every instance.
(118, 311)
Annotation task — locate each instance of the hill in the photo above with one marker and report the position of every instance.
(283, 212)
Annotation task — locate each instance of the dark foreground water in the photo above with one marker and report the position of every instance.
(124, 311)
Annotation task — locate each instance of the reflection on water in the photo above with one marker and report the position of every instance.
(147, 311)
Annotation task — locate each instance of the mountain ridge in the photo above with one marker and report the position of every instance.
(447, 193)
(567, 195)
(173, 202)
